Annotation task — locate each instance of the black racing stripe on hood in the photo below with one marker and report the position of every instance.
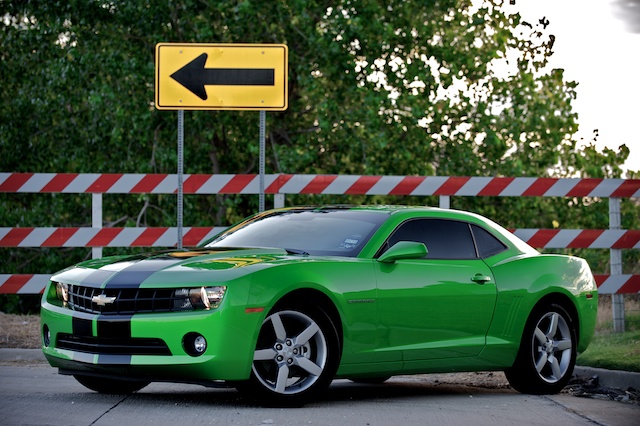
(114, 327)
(154, 265)
(132, 276)
(129, 279)
(97, 278)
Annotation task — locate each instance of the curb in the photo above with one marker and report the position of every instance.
(606, 378)
(609, 378)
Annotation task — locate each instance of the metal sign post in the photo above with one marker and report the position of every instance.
(262, 160)
(180, 173)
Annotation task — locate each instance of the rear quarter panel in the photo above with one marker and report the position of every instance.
(523, 282)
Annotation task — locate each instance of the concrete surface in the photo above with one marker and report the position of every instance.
(34, 394)
(607, 378)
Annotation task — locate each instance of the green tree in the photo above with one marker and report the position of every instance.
(396, 87)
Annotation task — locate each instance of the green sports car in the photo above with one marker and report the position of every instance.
(287, 300)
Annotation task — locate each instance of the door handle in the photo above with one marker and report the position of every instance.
(480, 279)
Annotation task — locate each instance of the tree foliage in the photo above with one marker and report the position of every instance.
(396, 87)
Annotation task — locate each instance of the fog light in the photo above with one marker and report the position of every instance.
(200, 344)
(46, 336)
(194, 344)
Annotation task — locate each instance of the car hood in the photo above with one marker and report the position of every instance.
(164, 269)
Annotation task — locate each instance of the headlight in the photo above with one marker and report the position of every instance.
(214, 295)
(186, 299)
(62, 291)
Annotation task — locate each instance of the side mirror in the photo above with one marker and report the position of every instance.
(404, 250)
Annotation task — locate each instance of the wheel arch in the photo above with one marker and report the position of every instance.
(541, 368)
(566, 303)
(298, 307)
(318, 299)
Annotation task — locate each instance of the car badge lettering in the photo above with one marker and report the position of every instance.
(103, 300)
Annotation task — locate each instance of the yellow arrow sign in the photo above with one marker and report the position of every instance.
(221, 76)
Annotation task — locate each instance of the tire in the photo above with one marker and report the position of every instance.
(296, 357)
(547, 354)
(110, 386)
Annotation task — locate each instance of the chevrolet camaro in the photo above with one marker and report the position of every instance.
(287, 300)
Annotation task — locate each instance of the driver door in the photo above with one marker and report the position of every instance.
(439, 306)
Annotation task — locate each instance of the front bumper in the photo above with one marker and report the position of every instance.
(151, 346)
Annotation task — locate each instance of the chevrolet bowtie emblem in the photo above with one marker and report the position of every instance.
(103, 300)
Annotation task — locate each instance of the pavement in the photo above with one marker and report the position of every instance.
(22, 355)
(606, 378)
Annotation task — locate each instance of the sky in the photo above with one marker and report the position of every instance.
(596, 48)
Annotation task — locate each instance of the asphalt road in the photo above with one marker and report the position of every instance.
(34, 394)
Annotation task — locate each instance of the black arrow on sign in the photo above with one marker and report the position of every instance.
(194, 76)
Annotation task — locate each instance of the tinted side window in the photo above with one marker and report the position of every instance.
(488, 245)
(445, 239)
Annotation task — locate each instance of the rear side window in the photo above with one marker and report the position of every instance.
(445, 239)
(487, 244)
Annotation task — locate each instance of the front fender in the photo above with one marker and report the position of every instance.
(349, 285)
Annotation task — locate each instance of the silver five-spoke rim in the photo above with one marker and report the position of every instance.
(291, 353)
(552, 347)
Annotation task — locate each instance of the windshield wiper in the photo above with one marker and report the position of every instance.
(296, 251)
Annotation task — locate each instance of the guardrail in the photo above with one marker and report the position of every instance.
(116, 183)
(96, 237)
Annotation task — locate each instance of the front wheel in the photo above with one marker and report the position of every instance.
(547, 354)
(296, 357)
(110, 386)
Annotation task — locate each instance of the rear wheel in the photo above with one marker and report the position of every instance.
(547, 354)
(110, 386)
(296, 357)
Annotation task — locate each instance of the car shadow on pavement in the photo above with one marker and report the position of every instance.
(340, 391)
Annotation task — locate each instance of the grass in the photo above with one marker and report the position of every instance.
(615, 351)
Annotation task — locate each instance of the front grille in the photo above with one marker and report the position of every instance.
(112, 346)
(127, 301)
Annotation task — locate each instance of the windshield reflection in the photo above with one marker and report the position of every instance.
(332, 232)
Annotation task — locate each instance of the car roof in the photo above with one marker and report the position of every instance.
(376, 207)
(408, 212)
(388, 209)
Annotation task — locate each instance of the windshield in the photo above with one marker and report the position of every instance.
(315, 232)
